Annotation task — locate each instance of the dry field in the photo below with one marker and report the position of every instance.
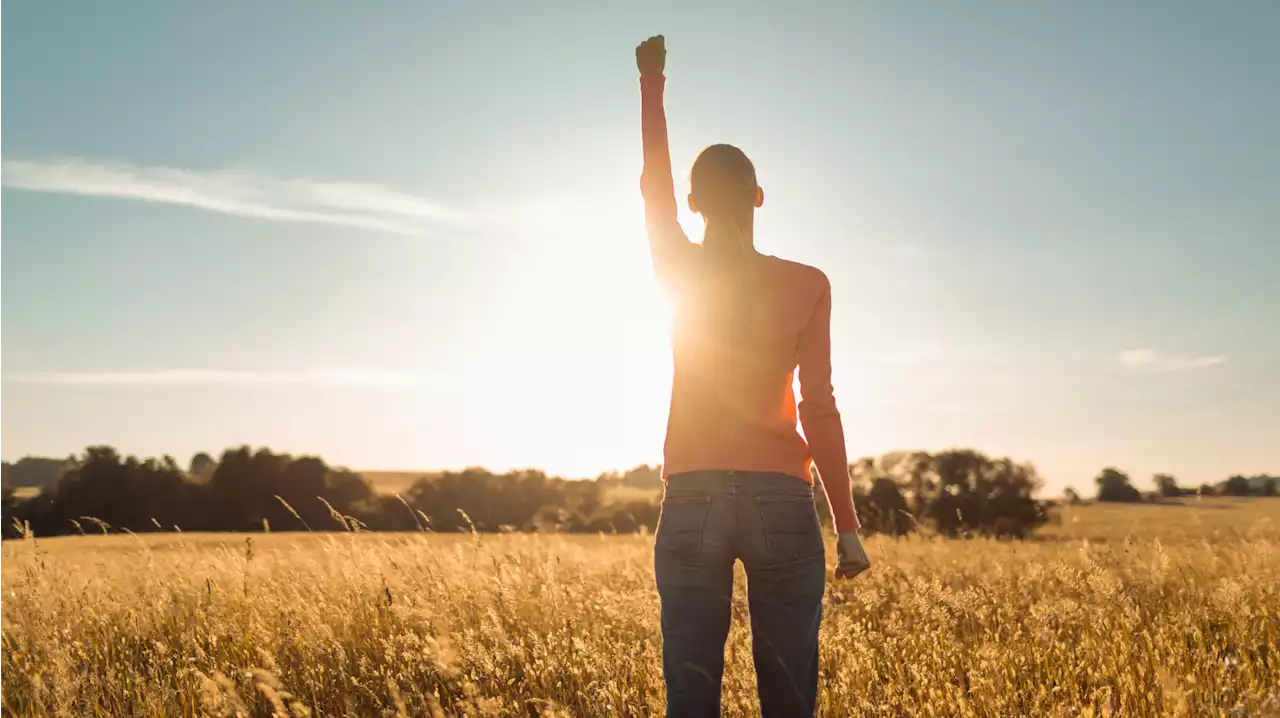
(393, 482)
(1127, 611)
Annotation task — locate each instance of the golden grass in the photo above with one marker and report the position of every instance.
(1135, 611)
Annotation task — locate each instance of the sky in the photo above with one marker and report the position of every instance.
(409, 236)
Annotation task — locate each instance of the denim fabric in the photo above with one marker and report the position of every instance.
(710, 519)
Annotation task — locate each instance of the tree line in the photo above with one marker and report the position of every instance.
(256, 490)
(954, 493)
(1114, 485)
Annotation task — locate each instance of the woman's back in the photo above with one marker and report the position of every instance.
(736, 343)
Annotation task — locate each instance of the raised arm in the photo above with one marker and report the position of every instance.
(819, 415)
(667, 241)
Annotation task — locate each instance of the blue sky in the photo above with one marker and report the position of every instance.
(408, 235)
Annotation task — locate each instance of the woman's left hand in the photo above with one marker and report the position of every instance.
(852, 558)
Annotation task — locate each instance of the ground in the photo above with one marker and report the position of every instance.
(1122, 610)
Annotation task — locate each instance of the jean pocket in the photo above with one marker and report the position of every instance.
(681, 523)
(790, 523)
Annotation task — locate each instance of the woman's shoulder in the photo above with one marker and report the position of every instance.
(797, 273)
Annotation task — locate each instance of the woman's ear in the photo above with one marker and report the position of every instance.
(693, 206)
(759, 197)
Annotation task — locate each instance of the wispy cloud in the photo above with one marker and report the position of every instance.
(240, 193)
(220, 377)
(1151, 360)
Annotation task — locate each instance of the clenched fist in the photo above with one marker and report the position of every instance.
(852, 557)
(651, 56)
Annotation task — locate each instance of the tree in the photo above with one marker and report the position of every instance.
(1269, 487)
(35, 471)
(1114, 485)
(5, 490)
(202, 466)
(248, 488)
(990, 497)
(914, 472)
(1237, 486)
(7, 504)
(644, 477)
(886, 509)
(122, 492)
(1070, 496)
(1167, 486)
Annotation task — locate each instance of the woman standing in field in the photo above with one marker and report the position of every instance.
(737, 470)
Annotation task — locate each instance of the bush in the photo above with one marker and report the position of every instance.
(1114, 485)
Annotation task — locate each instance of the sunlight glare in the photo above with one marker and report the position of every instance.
(588, 375)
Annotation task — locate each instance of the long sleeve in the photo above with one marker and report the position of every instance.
(819, 415)
(668, 244)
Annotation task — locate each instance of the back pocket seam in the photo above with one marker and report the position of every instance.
(805, 530)
(695, 545)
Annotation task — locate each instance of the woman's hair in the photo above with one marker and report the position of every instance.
(723, 181)
(723, 186)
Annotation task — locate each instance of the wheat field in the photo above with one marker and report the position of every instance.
(1125, 611)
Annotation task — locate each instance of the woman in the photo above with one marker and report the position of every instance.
(738, 482)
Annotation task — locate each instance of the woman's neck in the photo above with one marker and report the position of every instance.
(729, 238)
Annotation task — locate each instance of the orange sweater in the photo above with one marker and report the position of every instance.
(740, 334)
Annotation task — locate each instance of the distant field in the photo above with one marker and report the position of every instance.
(1189, 519)
(1121, 610)
(392, 482)
(396, 482)
(627, 494)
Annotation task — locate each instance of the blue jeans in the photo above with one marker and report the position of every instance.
(708, 520)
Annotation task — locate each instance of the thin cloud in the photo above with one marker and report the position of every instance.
(340, 377)
(239, 193)
(1151, 360)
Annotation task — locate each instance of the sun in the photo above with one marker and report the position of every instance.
(585, 384)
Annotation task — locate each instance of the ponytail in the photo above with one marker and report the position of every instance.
(723, 186)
